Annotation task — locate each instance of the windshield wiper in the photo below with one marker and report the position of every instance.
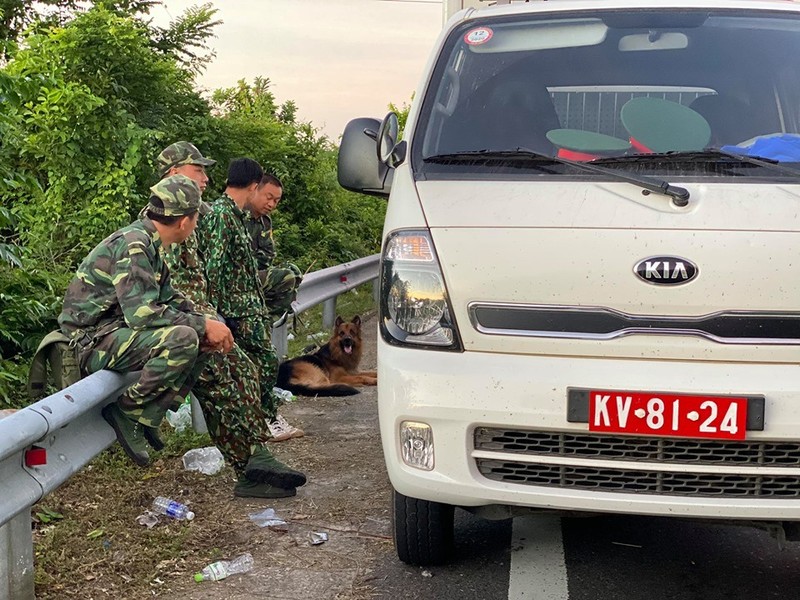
(679, 195)
(709, 154)
(760, 161)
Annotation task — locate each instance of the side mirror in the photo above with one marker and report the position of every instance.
(359, 168)
(390, 152)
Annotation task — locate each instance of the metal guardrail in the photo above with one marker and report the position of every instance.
(68, 427)
(322, 287)
(68, 430)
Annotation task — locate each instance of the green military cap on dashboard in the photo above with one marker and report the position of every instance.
(181, 153)
(178, 196)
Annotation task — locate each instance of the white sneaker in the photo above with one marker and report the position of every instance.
(295, 431)
(278, 433)
(282, 431)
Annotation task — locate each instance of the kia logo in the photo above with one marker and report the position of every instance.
(665, 270)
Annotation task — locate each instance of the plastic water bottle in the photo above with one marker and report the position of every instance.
(223, 568)
(176, 510)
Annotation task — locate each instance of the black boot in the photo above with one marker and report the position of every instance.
(265, 468)
(129, 434)
(152, 437)
(245, 488)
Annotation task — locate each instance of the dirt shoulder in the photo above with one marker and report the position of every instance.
(347, 497)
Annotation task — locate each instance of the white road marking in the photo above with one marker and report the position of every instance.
(538, 570)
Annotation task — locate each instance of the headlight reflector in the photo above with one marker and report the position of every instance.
(416, 301)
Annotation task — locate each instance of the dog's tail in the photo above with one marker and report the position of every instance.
(335, 389)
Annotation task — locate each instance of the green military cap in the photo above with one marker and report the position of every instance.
(181, 153)
(178, 196)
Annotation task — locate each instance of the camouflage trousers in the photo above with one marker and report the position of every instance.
(279, 285)
(228, 392)
(253, 335)
(167, 358)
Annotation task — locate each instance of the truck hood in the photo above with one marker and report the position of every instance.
(518, 254)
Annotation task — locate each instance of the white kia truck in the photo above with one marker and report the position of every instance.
(590, 275)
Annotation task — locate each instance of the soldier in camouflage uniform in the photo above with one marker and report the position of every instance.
(183, 158)
(228, 387)
(233, 284)
(279, 283)
(123, 314)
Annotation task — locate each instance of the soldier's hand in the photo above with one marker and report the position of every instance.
(218, 336)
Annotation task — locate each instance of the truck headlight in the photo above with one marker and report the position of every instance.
(414, 305)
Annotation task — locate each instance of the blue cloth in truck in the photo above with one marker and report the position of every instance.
(784, 147)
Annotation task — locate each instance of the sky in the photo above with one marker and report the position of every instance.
(337, 59)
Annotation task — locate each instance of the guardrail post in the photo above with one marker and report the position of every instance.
(280, 339)
(198, 420)
(376, 291)
(328, 313)
(16, 558)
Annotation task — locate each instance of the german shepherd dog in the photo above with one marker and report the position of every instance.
(330, 370)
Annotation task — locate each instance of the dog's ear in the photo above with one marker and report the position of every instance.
(339, 321)
(356, 321)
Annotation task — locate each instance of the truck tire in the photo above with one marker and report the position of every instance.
(423, 530)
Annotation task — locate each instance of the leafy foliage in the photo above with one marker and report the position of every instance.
(47, 515)
(8, 252)
(85, 124)
(13, 375)
(186, 39)
(16, 15)
(317, 224)
(401, 112)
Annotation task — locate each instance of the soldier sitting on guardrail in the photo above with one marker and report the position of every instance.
(279, 282)
(123, 314)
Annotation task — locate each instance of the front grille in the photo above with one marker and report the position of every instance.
(643, 482)
(640, 449)
(601, 323)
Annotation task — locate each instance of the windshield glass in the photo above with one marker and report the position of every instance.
(650, 91)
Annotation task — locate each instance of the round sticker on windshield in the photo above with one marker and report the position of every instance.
(478, 36)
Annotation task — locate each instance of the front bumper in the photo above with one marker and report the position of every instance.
(457, 393)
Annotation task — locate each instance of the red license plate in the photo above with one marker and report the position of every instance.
(662, 414)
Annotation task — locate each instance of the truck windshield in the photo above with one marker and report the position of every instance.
(662, 92)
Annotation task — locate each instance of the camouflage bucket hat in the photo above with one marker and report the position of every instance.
(179, 196)
(181, 153)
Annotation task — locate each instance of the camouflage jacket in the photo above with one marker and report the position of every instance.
(233, 285)
(260, 230)
(187, 271)
(124, 282)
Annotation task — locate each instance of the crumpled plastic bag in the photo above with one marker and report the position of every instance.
(180, 419)
(149, 519)
(208, 461)
(315, 538)
(267, 518)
